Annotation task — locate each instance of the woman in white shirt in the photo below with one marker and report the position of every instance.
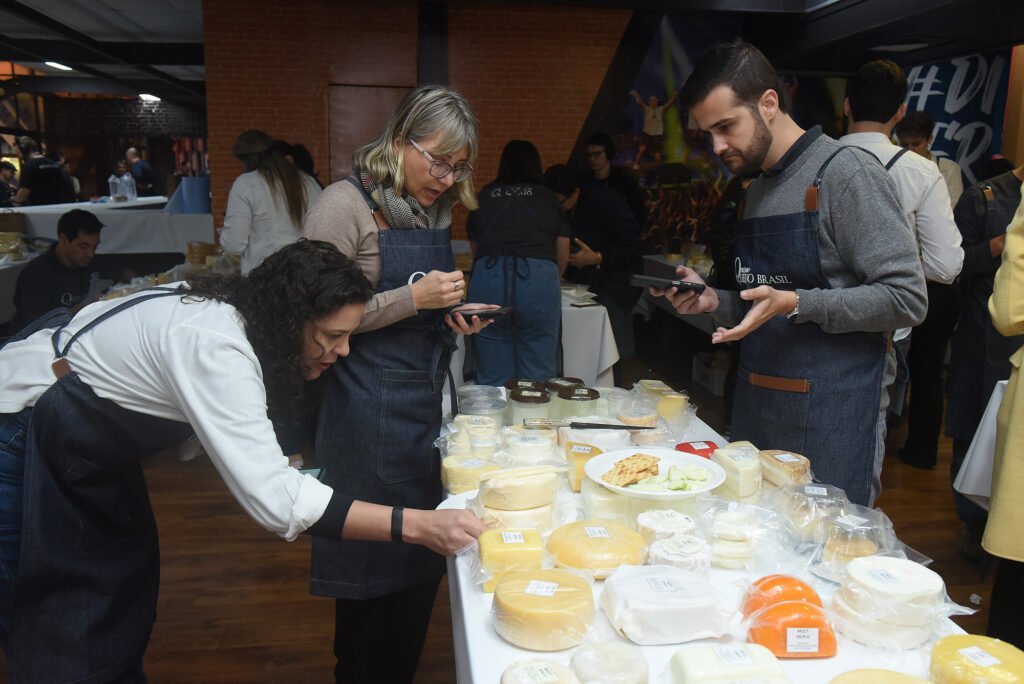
(83, 404)
(267, 203)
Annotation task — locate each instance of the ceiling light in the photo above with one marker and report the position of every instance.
(146, 97)
(899, 47)
(58, 65)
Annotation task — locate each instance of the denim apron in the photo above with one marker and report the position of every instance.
(86, 591)
(799, 388)
(380, 416)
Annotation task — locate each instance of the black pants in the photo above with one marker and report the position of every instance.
(927, 351)
(381, 639)
(1007, 597)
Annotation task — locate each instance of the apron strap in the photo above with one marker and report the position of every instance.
(811, 196)
(375, 212)
(896, 158)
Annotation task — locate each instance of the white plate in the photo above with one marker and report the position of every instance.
(599, 465)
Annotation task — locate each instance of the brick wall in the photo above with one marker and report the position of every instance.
(79, 116)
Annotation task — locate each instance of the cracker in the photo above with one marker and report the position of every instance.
(631, 470)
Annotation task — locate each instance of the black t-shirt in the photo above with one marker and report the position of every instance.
(48, 181)
(46, 284)
(521, 219)
(623, 183)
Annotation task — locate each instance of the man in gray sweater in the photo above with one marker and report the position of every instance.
(829, 268)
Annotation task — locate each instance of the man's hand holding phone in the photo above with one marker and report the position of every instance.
(688, 301)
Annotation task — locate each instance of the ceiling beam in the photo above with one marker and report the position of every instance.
(161, 54)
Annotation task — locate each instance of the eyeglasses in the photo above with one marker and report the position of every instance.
(440, 169)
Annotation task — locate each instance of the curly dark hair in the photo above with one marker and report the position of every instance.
(300, 283)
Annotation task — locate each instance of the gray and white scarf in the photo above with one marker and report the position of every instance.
(403, 212)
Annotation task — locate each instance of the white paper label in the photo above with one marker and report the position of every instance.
(733, 655)
(581, 392)
(851, 520)
(802, 640)
(979, 656)
(597, 532)
(884, 576)
(538, 588)
(787, 458)
(512, 538)
(661, 584)
(530, 393)
(743, 454)
(700, 445)
(815, 491)
(538, 673)
(581, 449)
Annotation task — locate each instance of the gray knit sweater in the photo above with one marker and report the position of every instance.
(867, 248)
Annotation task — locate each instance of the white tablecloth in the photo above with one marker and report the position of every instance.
(588, 346)
(481, 655)
(975, 477)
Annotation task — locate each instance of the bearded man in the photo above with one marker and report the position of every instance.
(827, 267)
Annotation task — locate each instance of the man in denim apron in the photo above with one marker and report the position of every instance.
(827, 267)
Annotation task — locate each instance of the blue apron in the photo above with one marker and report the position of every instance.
(86, 591)
(799, 388)
(378, 421)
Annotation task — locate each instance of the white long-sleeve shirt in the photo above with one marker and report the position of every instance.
(257, 222)
(187, 361)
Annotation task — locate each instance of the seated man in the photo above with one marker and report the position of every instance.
(60, 277)
(8, 183)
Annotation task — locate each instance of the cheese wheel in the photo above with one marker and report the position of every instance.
(742, 467)
(672, 406)
(542, 610)
(734, 526)
(975, 659)
(842, 550)
(705, 663)
(682, 551)
(610, 662)
(663, 523)
(505, 550)
(526, 449)
(731, 554)
(876, 633)
(659, 435)
(597, 547)
(784, 467)
(639, 417)
(774, 589)
(462, 473)
(893, 590)
(517, 489)
(541, 518)
(793, 629)
(876, 677)
(538, 671)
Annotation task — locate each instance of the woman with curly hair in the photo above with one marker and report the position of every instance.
(382, 412)
(85, 402)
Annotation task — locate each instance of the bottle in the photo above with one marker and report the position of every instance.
(128, 187)
(115, 186)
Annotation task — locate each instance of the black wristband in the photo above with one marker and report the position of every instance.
(396, 524)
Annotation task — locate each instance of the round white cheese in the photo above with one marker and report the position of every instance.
(734, 526)
(893, 590)
(663, 523)
(526, 449)
(876, 633)
(610, 662)
(682, 551)
(538, 671)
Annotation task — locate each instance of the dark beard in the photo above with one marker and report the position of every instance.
(754, 156)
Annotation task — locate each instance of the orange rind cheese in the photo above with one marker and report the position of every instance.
(773, 589)
(793, 629)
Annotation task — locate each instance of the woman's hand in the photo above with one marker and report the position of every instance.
(585, 256)
(444, 532)
(768, 303)
(688, 301)
(460, 324)
(438, 290)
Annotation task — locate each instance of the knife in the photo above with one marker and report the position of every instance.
(540, 423)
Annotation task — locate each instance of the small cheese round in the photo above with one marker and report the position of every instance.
(517, 489)
(462, 474)
(639, 417)
(597, 547)
(663, 523)
(543, 610)
(682, 551)
(876, 633)
(843, 550)
(610, 662)
(537, 670)
(734, 526)
(731, 554)
(893, 590)
(526, 449)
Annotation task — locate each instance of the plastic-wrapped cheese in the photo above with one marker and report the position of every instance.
(541, 518)
(505, 550)
(742, 467)
(464, 420)
(538, 671)
(638, 416)
(871, 676)
(597, 547)
(526, 449)
(775, 589)
(659, 604)
(663, 523)
(784, 467)
(974, 659)
(701, 664)
(793, 629)
(876, 633)
(893, 590)
(600, 503)
(682, 551)
(731, 554)
(610, 662)
(735, 526)
(543, 610)
(517, 489)
(462, 473)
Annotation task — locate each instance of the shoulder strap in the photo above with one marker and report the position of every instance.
(811, 197)
(896, 158)
(375, 211)
(154, 293)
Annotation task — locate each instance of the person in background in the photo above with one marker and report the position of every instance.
(60, 276)
(43, 181)
(8, 183)
(605, 249)
(58, 156)
(979, 355)
(520, 242)
(142, 172)
(654, 126)
(225, 356)
(382, 410)
(600, 151)
(303, 161)
(1005, 520)
(266, 204)
(915, 132)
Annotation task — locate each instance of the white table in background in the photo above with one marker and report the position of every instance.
(975, 477)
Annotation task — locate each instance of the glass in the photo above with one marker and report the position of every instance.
(440, 169)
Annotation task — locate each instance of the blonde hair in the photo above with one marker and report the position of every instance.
(422, 113)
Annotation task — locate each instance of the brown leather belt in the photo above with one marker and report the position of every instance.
(773, 382)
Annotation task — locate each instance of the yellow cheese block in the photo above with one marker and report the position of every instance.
(971, 658)
(577, 455)
(597, 547)
(504, 550)
(742, 467)
(876, 677)
(517, 489)
(462, 473)
(543, 610)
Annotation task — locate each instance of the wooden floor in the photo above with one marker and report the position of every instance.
(234, 606)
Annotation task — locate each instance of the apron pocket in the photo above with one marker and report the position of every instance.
(781, 405)
(409, 416)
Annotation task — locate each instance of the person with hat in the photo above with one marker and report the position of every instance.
(59, 277)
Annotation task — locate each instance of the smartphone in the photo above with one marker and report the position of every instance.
(318, 473)
(483, 314)
(583, 305)
(637, 280)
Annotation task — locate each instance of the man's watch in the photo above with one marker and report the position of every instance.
(796, 309)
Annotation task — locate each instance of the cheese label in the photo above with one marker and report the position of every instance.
(512, 538)
(979, 656)
(661, 584)
(538, 588)
(530, 393)
(585, 449)
(851, 520)
(538, 673)
(815, 491)
(733, 655)
(583, 391)
(743, 454)
(597, 532)
(700, 445)
(787, 458)
(802, 640)
(883, 576)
